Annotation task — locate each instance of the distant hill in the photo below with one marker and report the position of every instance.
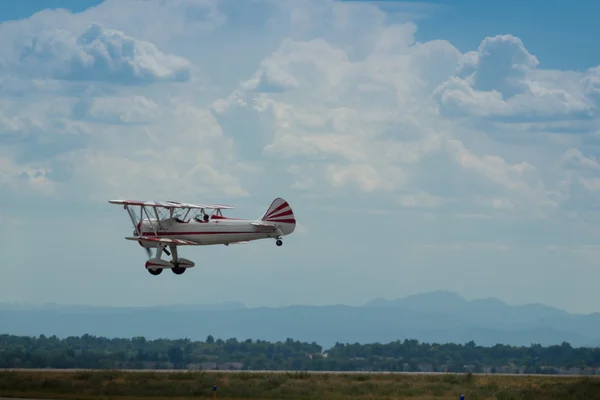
(486, 311)
(431, 317)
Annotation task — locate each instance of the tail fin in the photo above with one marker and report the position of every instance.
(279, 212)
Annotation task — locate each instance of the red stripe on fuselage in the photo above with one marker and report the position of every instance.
(195, 233)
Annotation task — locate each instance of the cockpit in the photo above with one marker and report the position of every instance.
(202, 218)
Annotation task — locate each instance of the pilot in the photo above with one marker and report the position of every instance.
(205, 217)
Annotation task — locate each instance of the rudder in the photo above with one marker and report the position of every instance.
(279, 212)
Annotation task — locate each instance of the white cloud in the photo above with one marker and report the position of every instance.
(32, 179)
(424, 200)
(323, 102)
(117, 109)
(344, 113)
(372, 124)
(270, 78)
(501, 82)
(98, 54)
(183, 151)
(591, 83)
(573, 158)
(367, 177)
(105, 139)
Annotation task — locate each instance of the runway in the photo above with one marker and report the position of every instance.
(171, 371)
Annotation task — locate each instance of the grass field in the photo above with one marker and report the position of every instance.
(295, 385)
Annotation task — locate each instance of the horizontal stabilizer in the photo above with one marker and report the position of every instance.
(160, 240)
(265, 226)
(260, 223)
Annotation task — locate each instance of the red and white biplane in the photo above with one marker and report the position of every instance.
(171, 224)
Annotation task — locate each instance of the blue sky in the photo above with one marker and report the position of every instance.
(422, 147)
(548, 29)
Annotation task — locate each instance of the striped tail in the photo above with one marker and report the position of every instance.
(279, 212)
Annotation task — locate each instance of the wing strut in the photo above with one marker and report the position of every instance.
(133, 221)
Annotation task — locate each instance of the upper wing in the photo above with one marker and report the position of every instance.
(169, 204)
(161, 240)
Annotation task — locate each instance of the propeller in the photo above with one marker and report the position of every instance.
(148, 252)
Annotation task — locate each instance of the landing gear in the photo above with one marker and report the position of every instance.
(278, 242)
(178, 265)
(177, 270)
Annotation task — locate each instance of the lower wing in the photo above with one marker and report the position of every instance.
(160, 240)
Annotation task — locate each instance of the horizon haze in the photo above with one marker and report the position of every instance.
(439, 316)
(422, 146)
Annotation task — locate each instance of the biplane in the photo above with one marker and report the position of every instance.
(170, 224)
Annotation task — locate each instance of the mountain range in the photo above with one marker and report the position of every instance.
(438, 316)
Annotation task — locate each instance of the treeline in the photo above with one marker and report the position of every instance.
(409, 355)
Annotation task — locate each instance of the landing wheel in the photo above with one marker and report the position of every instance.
(178, 270)
(155, 272)
(278, 242)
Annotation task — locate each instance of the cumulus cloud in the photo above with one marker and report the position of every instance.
(333, 105)
(117, 109)
(270, 78)
(372, 123)
(322, 108)
(501, 81)
(591, 84)
(31, 179)
(98, 54)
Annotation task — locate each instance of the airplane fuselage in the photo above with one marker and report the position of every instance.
(215, 231)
